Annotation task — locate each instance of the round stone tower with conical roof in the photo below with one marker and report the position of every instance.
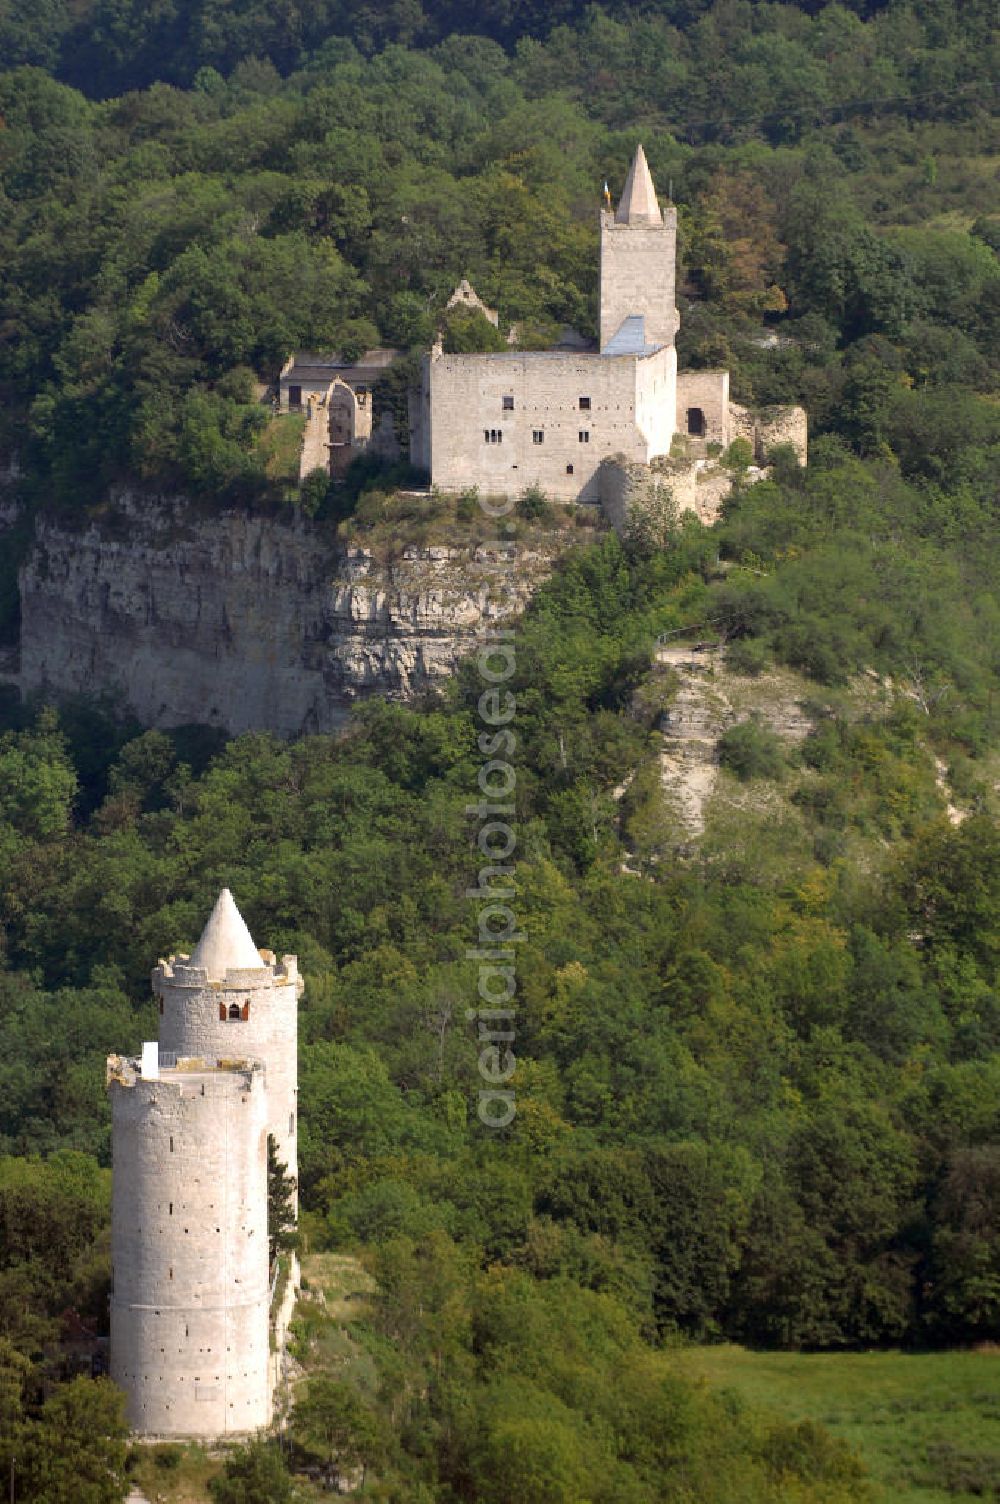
(229, 999)
(190, 1299)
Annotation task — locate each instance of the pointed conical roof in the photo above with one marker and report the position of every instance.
(225, 941)
(638, 205)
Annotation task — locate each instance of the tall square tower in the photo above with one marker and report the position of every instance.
(638, 254)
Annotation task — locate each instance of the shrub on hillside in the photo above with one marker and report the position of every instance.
(750, 750)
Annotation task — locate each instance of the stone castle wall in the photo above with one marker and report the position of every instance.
(315, 451)
(466, 408)
(770, 427)
(782, 425)
(646, 499)
(190, 1295)
(709, 392)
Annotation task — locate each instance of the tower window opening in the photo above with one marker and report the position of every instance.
(696, 422)
(508, 404)
(585, 404)
(584, 435)
(171, 1143)
(234, 1010)
(569, 469)
(170, 1210)
(538, 436)
(291, 1122)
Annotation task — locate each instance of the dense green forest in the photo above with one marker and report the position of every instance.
(758, 1072)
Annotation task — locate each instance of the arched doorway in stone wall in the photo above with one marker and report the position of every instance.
(342, 420)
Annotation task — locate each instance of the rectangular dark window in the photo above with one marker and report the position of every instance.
(584, 435)
(538, 436)
(508, 404)
(585, 404)
(294, 396)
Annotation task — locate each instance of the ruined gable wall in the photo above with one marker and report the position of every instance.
(648, 498)
(767, 429)
(783, 425)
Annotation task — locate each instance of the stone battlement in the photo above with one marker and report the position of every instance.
(179, 971)
(126, 1070)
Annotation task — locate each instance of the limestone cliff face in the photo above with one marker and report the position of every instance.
(248, 622)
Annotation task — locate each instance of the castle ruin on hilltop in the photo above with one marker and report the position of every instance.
(583, 424)
(594, 425)
(191, 1285)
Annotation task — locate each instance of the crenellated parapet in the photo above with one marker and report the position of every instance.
(180, 971)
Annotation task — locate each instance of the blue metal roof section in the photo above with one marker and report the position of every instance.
(630, 338)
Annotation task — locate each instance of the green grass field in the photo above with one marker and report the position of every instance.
(926, 1424)
(280, 445)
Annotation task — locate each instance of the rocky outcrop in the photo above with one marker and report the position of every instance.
(248, 622)
(711, 698)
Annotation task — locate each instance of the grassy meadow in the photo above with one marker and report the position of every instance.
(926, 1424)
